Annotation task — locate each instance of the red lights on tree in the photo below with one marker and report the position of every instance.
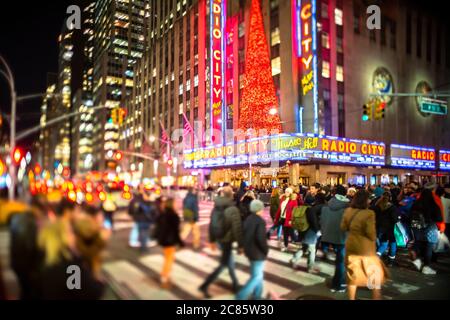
(259, 94)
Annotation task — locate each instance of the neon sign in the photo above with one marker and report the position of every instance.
(217, 35)
(412, 157)
(295, 146)
(306, 44)
(444, 159)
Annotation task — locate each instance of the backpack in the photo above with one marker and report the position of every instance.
(217, 227)
(299, 218)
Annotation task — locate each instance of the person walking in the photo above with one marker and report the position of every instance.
(425, 216)
(387, 215)
(310, 237)
(225, 229)
(256, 249)
(190, 217)
(167, 233)
(244, 204)
(445, 198)
(144, 214)
(274, 205)
(332, 234)
(284, 216)
(109, 207)
(364, 267)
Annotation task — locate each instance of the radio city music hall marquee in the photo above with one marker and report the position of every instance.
(301, 147)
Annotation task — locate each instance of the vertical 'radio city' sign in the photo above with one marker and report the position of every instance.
(306, 44)
(217, 36)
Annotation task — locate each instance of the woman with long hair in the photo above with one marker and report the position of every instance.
(274, 205)
(364, 267)
(284, 215)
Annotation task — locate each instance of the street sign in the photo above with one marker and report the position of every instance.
(433, 106)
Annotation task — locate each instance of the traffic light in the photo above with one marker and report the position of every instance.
(170, 162)
(115, 115)
(17, 155)
(122, 115)
(367, 112)
(380, 109)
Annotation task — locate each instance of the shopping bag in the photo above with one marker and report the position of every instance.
(401, 235)
(443, 244)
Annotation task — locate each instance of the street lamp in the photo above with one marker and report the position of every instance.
(12, 136)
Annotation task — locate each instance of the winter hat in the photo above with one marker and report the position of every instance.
(256, 206)
(430, 185)
(340, 190)
(378, 192)
(289, 190)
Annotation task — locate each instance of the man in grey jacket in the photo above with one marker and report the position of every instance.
(232, 232)
(330, 221)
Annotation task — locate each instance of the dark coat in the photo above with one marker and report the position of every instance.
(143, 211)
(330, 221)
(313, 217)
(168, 229)
(55, 279)
(274, 204)
(255, 241)
(232, 219)
(386, 219)
(244, 207)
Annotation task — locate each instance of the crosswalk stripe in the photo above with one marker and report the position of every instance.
(209, 264)
(183, 278)
(125, 274)
(295, 276)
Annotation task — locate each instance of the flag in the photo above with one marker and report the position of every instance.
(164, 136)
(187, 128)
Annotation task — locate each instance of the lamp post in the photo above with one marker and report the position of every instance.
(12, 135)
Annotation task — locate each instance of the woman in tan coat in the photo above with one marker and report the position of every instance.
(364, 268)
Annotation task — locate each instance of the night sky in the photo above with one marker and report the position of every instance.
(28, 41)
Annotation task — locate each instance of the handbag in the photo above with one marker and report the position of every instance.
(432, 233)
(442, 245)
(401, 236)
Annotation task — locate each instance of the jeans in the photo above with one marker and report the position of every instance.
(254, 286)
(311, 248)
(339, 271)
(382, 246)
(226, 261)
(325, 247)
(278, 228)
(143, 231)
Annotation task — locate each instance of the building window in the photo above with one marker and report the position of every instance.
(338, 16)
(275, 36)
(325, 40)
(419, 37)
(383, 33)
(339, 73)
(341, 115)
(324, 10)
(273, 4)
(339, 45)
(276, 66)
(326, 69)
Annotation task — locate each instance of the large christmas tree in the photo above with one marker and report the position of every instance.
(259, 100)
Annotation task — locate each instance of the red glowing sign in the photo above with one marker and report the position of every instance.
(217, 57)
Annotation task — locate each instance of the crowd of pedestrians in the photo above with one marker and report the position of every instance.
(361, 226)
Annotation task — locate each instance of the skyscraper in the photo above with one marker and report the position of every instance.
(119, 40)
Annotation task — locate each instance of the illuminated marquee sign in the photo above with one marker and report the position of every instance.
(296, 146)
(306, 36)
(412, 157)
(444, 159)
(217, 21)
